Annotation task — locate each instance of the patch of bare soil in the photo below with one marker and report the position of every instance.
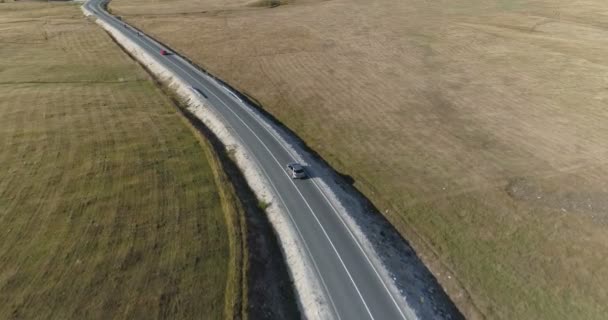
(266, 3)
(565, 197)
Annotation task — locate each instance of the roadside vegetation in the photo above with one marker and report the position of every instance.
(111, 205)
(478, 128)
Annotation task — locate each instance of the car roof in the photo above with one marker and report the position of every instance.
(295, 165)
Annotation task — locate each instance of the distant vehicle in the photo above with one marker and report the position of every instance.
(164, 52)
(296, 171)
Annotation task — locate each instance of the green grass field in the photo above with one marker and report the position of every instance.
(111, 206)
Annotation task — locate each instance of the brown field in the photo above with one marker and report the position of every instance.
(480, 128)
(111, 206)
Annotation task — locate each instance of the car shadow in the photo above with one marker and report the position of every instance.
(344, 178)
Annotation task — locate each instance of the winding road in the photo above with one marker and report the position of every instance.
(351, 281)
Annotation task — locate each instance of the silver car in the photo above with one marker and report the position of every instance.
(296, 171)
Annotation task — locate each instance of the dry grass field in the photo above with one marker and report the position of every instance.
(479, 128)
(111, 207)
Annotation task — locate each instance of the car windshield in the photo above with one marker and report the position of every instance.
(299, 170)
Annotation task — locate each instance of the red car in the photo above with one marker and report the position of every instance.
(164, 52)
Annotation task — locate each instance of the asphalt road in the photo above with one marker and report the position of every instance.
(352, 283)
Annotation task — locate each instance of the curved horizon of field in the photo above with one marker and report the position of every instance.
(111, 205)
(476, 127)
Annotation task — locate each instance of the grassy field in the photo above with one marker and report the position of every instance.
(111, 206)
(478, 128)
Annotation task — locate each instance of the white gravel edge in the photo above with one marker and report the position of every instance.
(313, 303)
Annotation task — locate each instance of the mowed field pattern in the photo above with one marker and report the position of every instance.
(478, 128)
(110, 206)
